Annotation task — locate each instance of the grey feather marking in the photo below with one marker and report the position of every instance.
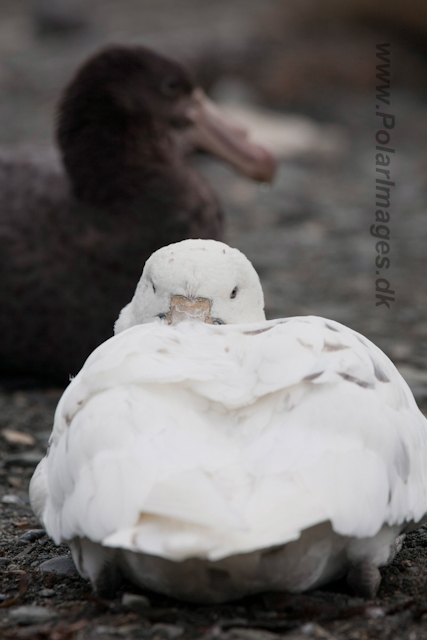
(329, 326)
(379, 373)
(362, 340)
(254, 333)
(313, 376)
(328, 346)
(305, 344)
(361, 383)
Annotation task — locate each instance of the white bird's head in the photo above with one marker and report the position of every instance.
(195, 280)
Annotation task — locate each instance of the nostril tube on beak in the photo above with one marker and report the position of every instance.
(183, 308)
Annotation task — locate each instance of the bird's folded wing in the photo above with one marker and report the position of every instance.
(207, 441)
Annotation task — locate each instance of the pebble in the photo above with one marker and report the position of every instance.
(237, 633)
(25, 552)
(124, 631)
(63, 566)
(46, 593)
(9, 498)
(355, 602)
(32, 614)
(103, 630)
(28, 459)
(312, 630)
(32, 535)
(374, 612)
(166, 631)
(135, 602)
(18, 437)
(4, 562)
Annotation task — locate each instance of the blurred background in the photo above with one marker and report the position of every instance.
(302, 74)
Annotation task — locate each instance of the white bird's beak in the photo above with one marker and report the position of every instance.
(183, 308)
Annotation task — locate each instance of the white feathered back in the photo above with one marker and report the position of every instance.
(204, 441)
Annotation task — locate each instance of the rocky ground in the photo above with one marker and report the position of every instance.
(308, 237)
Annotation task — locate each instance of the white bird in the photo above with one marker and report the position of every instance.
(210, 462)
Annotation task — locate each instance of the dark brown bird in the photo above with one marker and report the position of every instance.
(73, 242)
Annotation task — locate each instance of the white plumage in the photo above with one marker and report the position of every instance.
(208, 462)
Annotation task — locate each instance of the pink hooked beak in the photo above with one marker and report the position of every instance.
(218, 134)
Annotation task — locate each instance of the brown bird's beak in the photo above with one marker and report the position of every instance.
(183, 308)
(218, 134)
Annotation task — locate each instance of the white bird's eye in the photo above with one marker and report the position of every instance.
(234, 293)
(154, 288)
(217, 321)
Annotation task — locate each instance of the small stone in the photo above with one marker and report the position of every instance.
(414, 570)
(166, 631)
(46, 593)
(355, 602)
(126, 630)
(4, 561)
(18, 437)
(28, 459)
(11, 499)
(237, 633)
(374, 612)
(32, 614)
(313, 630)
(63, 566)
(103, 630)
(135, 602)
(25, 552)
(32, 535)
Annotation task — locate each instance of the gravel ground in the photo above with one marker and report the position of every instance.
(308, 237)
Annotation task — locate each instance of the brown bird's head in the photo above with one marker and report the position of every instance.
(129, 110)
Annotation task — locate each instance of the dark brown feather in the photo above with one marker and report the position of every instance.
(73, 242)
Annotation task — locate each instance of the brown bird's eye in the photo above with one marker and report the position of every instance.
(171, 86)
(234, 293)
